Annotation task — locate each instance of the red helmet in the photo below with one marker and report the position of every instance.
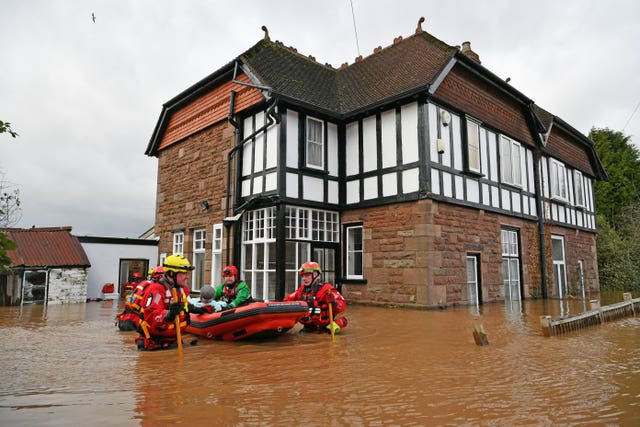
(137, 276)
(158, 271)
(230, 270)
(310, 267)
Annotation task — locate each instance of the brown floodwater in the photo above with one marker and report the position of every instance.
(69, 365)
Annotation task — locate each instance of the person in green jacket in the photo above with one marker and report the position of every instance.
(232, 291)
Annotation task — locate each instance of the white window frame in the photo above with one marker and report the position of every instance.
(216, 254)
(473, 280)
(578, 184)
(510, 264)
(259, 238)
(312, 224)
(199, 254)
(558, 179)
(510, 161)
(313, 144)
(559, 266)
(178, 242)
(354, 249)
(474, 160)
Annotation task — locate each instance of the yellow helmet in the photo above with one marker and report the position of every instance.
(177, 263)
(150, 272)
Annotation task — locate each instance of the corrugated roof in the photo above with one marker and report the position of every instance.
(45, 247)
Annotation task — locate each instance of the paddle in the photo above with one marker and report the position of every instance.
(331, 317)
(174, 296)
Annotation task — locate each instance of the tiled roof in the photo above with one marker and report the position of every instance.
(45, 247)
(407, 66)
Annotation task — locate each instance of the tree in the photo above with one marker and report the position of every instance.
(6, 127)
(5, 245)
(10, 210)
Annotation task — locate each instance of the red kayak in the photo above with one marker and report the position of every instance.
(255, 320)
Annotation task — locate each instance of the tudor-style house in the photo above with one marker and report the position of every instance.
(414, 176)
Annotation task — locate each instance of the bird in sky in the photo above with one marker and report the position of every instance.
(93, 17)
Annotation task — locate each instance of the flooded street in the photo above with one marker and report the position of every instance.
(69, 365)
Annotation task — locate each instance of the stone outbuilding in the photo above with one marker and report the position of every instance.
(49, 266)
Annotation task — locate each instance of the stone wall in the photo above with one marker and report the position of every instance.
(67, 285)
(415, 254)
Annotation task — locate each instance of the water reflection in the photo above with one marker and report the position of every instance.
(69, 364)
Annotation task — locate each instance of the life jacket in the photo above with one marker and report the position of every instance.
(136, 296)
(318, 310)
(168, 334)
(230, 293)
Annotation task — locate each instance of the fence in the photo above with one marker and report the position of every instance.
(596, 316)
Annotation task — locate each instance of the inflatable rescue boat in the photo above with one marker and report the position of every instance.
(255, 320)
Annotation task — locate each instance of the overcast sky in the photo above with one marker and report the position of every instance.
(85, 96)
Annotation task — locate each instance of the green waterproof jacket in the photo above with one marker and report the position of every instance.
(235, 296)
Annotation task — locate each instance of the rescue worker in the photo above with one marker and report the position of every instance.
(162, 302)
(232, 291)
(129, 319)
(318, 296)
(130, 285)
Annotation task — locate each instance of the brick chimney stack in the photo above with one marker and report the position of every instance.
(466, 49)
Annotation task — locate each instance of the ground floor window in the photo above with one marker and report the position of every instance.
(511, 264)
(197, 277)
(559, 266)
(35, 287)
(354, 252)
(474, 291)
(216, 255)
(259, 252)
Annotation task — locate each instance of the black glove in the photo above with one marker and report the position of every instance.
(174, 310)
(196, 310)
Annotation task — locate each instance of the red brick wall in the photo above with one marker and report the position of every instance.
(415, 254)
(188, 173)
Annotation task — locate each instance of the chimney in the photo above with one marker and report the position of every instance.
(466, 49)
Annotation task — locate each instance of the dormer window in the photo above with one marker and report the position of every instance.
(315, 144)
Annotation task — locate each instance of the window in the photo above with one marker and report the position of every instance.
(216, 255)
(312, 224)
(34, 287)
(354, 251)
(578, 188)
(559, 267)
(510, 265)
(315, 144)
(510, 155)
(473, 146)
(178, 242)
(259, 253)
(473, 280)
(558, 180)
(199, 239)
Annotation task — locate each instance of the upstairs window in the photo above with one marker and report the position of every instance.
(473, 146)
(315, 144)
(510, 156)
(558, 180)
(178, 242)
(578, 188)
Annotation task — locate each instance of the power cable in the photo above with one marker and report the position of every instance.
(632, 114)
(353, 15)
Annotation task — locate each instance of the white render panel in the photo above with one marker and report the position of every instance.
(532, 206)
(247, 157)
(473, 191)
(433, 133)
(516, 202)
(459, 187)
(246, 187)
(352, 149)
(410, 180)
(389, 144)
(332, 148)
(369, 145)
(370, 188)
(457, 141)
(409, 115)
(506, 199)
(389, 184)
(531, 187)
(493, 157)
(447, 186)
(524, 154)
(312, 189)
(486, 194)
(525, 205)
(353, 191)
(562, 215)
(446, 140)
(257, 185)
(259, 156)
(333, 196)
(292, 139)
(292, 185)
(435, 182)
(495, 197)
(545, 176)
(554, 212)
(270, 181)
(272, 147)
